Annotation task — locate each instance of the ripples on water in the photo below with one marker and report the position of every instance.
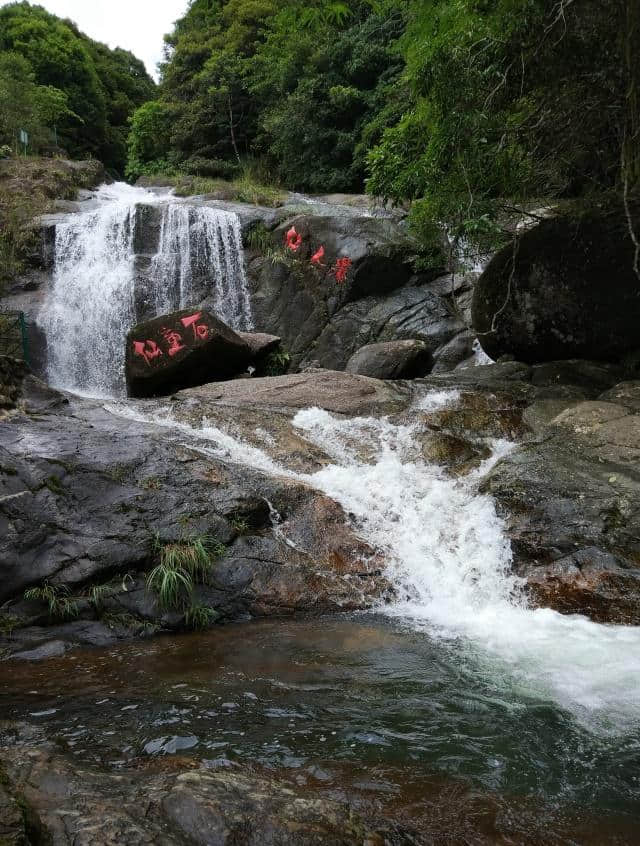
(458, 680)
(359, 703)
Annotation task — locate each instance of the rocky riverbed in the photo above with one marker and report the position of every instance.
(88, 485)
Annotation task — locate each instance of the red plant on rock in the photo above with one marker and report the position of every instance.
(341, 269)
(293, 240)
(317, 257)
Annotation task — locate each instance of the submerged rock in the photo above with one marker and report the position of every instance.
(180, 805)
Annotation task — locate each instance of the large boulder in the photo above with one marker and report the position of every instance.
(314, 307)
(376, 249)
(571, 503)
(81, 505)
(180, 350)
(392, 360)
(564, 289)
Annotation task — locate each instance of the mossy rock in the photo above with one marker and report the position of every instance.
(565, 289)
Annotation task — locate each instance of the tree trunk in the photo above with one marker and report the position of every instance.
(631, 151)
(232, 130)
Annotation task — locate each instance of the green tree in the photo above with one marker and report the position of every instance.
(102, 87)
(507, 100)
(149, 140)
(26, 105)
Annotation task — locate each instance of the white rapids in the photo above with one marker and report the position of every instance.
(92, 302)
(449, 559)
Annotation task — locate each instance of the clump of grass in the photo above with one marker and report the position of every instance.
(182, 565)
(54, 484)
(8, 622)
(199, 616)
(171, 584)
(259, 239)
(248, 190)
(131, 622)
(240, 525)
(98, 594)
(252, 186)
(60, 605)
(118, 472)
(151, 483)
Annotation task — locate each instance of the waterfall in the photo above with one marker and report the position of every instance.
(450, 561)
(91, 306)
(92, 302)
(201, 243)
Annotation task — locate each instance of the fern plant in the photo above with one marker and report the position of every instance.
(60, 605)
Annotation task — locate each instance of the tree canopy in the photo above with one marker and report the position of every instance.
(456, 105)
(62, 79)
(299, 85)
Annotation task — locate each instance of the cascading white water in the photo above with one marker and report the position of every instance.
(449, 559)
(92, 303)
(199, 242)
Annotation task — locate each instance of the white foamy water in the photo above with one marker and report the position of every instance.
(91, 306)
(450, 561)
(92, 302)
(196, 243)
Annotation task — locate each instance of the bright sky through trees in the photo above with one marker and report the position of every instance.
(135, 25)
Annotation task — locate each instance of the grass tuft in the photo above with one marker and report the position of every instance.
(182, 565)
(200, 616)
(57, 599)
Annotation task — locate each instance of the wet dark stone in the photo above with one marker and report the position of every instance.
(566, 289)
(392, 360)
(181, 350)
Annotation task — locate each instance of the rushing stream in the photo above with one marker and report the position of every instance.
(456, 680)
(450, 562)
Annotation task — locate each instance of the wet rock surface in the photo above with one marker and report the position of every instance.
(572, 499)
(183, 802)
(564, 289)
(392, 360)
(85, 491)
(76, 804)
(316, 323)
(570, 487)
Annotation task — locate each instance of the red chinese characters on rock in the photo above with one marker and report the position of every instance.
(317, 257)
(147, 349)
(174, 339)
(341, 269)
(200, 330)
(293, 240)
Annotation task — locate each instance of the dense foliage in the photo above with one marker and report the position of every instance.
(507, 99)
(301, 85)
(453, 104)
(63, 87)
